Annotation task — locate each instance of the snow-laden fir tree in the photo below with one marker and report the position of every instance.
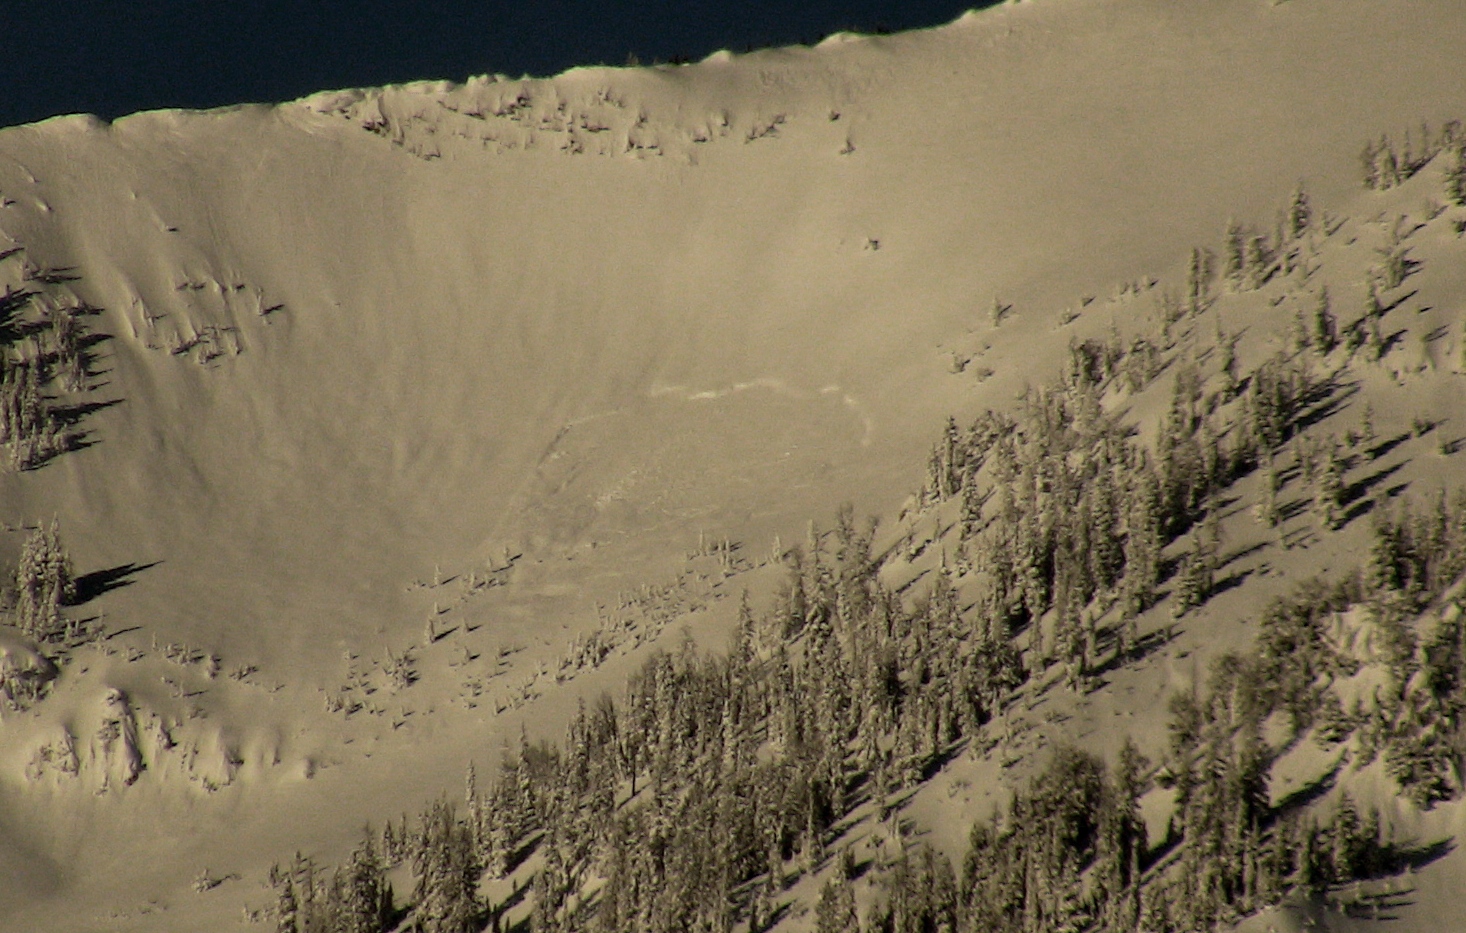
(1329, 490)
(44, 582)
(1266, 510)
(1323, 332)
(1258, 264)
(1142, 543)
(366, 899)
(1300, 213)
(286, 909)
(447, 874)
(1234, 255)
(835, 911)
(1198, 281)
(1194, 579)
(1228, 365)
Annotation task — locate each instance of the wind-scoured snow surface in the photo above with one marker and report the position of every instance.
(548, 332)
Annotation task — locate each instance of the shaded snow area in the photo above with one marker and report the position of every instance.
(1002, 475)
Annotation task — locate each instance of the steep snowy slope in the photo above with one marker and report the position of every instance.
(547, 333)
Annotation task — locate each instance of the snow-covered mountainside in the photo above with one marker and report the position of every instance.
(353, 438)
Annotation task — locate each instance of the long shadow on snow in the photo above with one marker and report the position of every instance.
(71, 414)
(91, 585)
(1310, 792)
(1356, 490)
(1145, 646)
(1384, 447)
(1327, 400)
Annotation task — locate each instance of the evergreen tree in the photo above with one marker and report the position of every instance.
(792, 598)
(367, 900)
(1327, 497)
(1374, 308)
(1122, 840)
(1300, 214)
(1394, 264)
(1228, 366)
(1194, 579)
(473, 807)
(1455, 177)
(286, 909)
(1369, 165)
(1234, 257)
(1104, 554)
(835, 910)
(446, 874)
(1374, 340)
(944, 469)
(1198, 281)
(1142, 543)
(1269, 483)
(1323, 332)
(997, 311)
(1258, 265)
(1386, 165)
(71, 363)
(550, 892)
(44, 582)
(303, 876)
(1346, 834)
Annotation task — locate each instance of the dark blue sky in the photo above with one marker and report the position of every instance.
(113, 57)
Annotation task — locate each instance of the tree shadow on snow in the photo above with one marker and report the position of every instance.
(1145, 646)
(1310, 792)
(70, 414)
(1357, 490)
(1229, 582)
(91, 585)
